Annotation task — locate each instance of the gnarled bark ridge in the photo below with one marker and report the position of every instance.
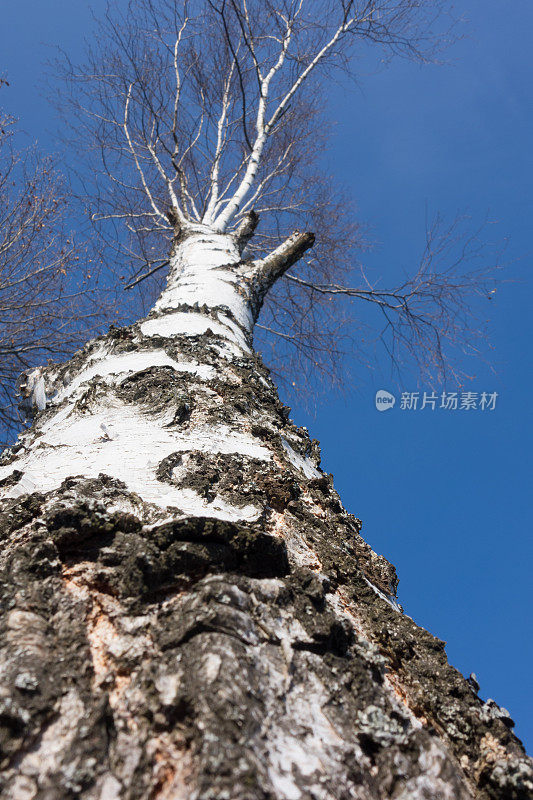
(188, 611)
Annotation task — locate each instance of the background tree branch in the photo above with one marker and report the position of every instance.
(48, 290)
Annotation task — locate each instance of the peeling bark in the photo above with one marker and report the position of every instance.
(187, 609)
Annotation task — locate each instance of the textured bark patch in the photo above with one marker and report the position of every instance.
(238, 479)
(150, 653)
(160, 388)
(129, 559)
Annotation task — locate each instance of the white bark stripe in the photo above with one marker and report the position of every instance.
(192, 323)
(122, 442)
(302, 463)
(198, 275)
(117, 365)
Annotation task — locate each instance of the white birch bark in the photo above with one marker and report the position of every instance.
(187, 609)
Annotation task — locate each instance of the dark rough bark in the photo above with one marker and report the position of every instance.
(149, 653)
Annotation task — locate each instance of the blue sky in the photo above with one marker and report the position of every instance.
(442, 494)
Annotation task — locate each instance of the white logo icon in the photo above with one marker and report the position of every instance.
(384, 400)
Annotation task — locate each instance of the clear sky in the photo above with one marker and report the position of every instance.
(444, 495)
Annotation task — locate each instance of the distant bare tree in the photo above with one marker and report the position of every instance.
(46, 303)
(214, 113)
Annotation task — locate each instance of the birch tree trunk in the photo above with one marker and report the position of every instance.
(188, 611)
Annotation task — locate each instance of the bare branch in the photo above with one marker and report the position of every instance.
(135, 156)
(147, 274)
(273, 266)
(246, 229)
(48, 291)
